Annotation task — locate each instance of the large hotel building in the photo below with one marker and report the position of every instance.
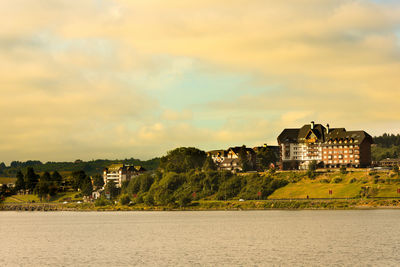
(330, 148)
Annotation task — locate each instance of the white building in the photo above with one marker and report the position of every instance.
(120, 173)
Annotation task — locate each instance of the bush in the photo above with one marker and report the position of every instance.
(337, 180)
(148, 200)
(324, 181)
(124, 199)
(353, 180)
(184, 200)
(311, 174)
(102, 202)
(343, 170)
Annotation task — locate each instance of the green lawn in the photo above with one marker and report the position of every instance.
(343, 189)
(22, 198)
(61, 197)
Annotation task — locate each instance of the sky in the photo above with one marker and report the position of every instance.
(94, 79)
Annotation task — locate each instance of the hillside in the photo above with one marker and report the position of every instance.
(350, 185)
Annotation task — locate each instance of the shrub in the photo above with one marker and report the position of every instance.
(343, 170)
(353, 180)
(184, 200)
(124, 199)
(102, 202)
(148, 200)
(311, 174)
(324, 181)
(337, 180)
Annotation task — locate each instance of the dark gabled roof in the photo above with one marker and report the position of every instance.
(340, 134)
(288, 135)
(216, 152)
(318, 130)
(299, 135)
(237, 149)
(229, 161)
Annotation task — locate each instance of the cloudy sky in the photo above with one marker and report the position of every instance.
(95, 79)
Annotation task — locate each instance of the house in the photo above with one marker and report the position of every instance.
(120, 173)
(217, 155)
(390, 163)
(330, 148)
(229, 159)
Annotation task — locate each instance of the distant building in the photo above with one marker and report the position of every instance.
(390, 163)
(120, 173)
(330, 148)
(217, 156)
(229, 159)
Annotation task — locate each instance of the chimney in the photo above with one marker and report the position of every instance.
(327, 127)
(312, 125)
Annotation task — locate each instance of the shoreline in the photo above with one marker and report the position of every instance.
(350, 204)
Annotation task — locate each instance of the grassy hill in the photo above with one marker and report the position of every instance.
(380, 184)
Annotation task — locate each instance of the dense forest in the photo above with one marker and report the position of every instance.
(386, 146)
(90, 167)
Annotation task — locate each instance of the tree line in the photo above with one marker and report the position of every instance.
(90, 167)
(387, 146)
(49, 184)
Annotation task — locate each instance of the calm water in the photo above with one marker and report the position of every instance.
(249, 238)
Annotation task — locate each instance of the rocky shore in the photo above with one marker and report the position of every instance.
(216, 205)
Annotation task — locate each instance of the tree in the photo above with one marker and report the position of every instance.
(311, 169)
(124, 199)
(46, 186)
(56, 177)
(396, 169)
(45, 177)
(98, 181)
(20, 183)
(343, 169)
(2, 166)
(265, 157)
(183, 159)
(86, 187)
(244, 159)
(111, 189)
(31, 179)
(209, 164)
(42, 189)
(77, 178)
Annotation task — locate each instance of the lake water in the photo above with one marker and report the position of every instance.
(215, 238)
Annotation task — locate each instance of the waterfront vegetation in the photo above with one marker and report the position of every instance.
(187, 179)
(212, 190)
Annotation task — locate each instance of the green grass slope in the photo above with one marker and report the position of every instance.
(382, 184)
